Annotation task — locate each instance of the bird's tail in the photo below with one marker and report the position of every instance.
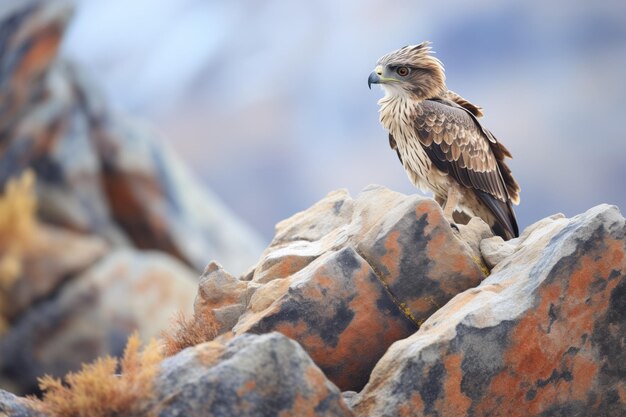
(505, 224)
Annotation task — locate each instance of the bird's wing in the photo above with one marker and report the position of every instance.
(473, 108)
(458, 145)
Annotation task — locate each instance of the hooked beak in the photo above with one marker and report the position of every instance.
(374, 77)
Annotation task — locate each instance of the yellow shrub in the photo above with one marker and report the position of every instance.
(97, 391)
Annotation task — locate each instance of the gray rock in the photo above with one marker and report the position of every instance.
(12, 406)
(267, 375)
(93, 315)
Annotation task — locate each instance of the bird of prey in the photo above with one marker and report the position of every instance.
(440, 141)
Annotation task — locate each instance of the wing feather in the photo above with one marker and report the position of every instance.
(394, 146)
(459, 145)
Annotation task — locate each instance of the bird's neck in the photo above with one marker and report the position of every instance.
(396, 111)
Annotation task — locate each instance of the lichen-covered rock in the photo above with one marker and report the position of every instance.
(337, 309)
(13, 406)
(249, 376)
(99, 173)
(542, 336)
(418, 257)
(93, 315)
(347, 288)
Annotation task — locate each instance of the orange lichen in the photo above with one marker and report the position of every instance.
(186, 332)
(391, 258)
(454, 401)
(97, 391)
(531, 358)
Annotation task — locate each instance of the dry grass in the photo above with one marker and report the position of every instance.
(18, 222)
(185, 332)
(18, 207)
(97, 391)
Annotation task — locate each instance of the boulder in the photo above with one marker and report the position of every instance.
(93, 315)
(267, 375)
(543, 335)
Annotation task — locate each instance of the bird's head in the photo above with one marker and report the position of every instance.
(411, 70)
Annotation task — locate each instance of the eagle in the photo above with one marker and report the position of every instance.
(441, 143)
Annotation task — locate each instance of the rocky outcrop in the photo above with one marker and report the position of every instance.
(346, 279)
(53, 255)
(364, 285)
(542, 335)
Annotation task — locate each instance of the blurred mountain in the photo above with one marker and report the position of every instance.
(268, 101)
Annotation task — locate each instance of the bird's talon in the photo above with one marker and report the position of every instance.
(454, 226)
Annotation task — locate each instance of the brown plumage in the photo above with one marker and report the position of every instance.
(440, 141)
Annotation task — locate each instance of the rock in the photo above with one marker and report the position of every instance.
(221, 297)
(418, 257)
(251, 375)
(473, 234)
(543, 335)
(12, 406)
(93, 315)
(495, 249)
(317, 221)
(126, 186)
(337, 309)
(356, 283)
(53, 256)
(330, 224)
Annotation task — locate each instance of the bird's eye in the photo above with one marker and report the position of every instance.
(402, 71)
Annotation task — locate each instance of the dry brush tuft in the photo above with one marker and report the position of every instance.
(18, 222)
(97, 390)
(186, 332)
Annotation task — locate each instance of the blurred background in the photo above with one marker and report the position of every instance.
(140, 140)
(268, 102)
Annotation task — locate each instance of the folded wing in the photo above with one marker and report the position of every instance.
(457, 144)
